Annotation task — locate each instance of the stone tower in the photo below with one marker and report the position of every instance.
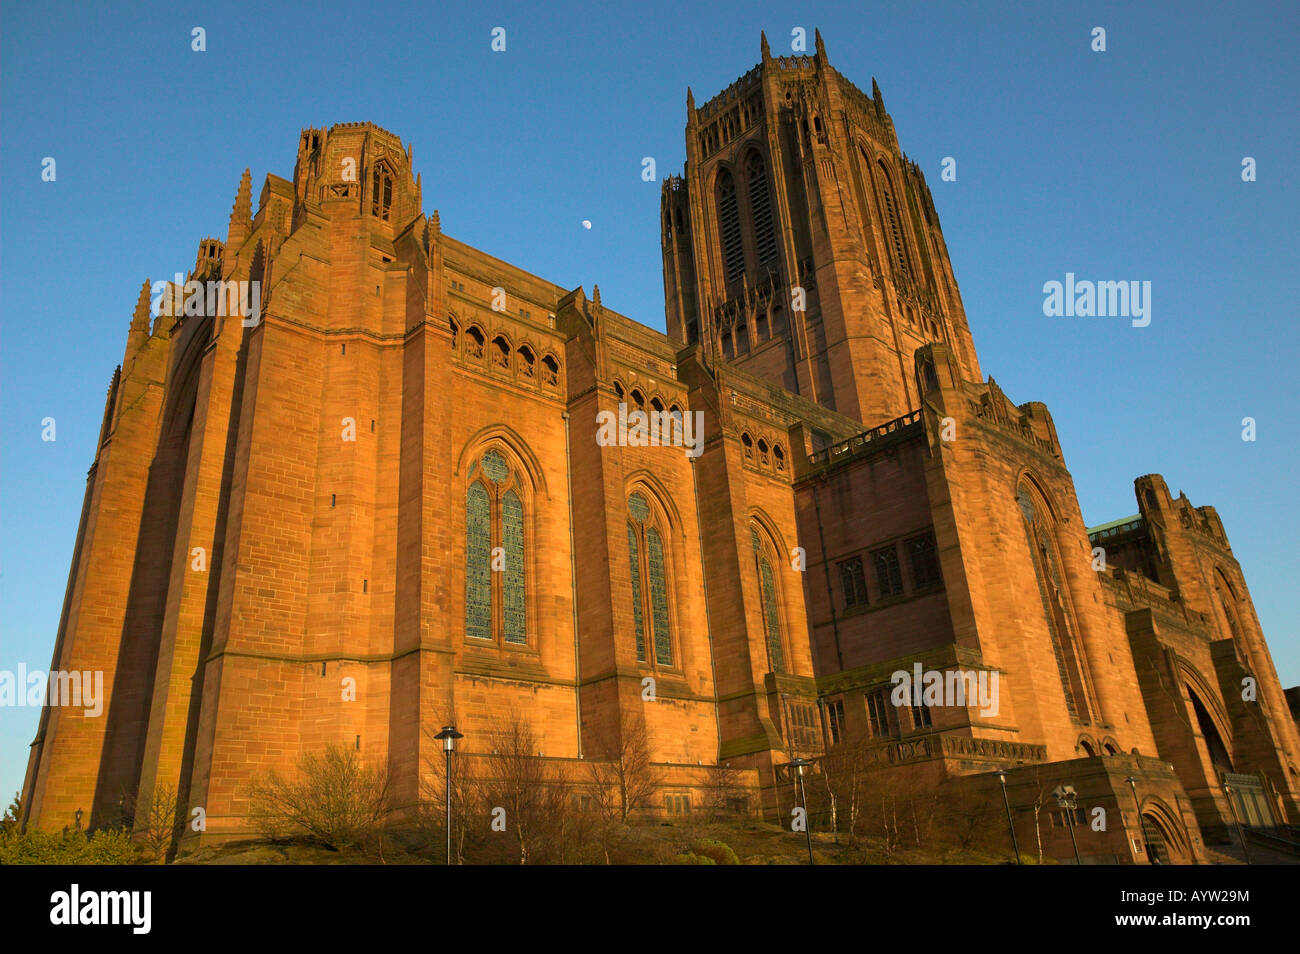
(803, 246)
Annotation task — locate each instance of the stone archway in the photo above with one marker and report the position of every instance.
(1163, 837)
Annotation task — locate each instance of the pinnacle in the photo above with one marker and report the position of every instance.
(241, 214)
(142, 309)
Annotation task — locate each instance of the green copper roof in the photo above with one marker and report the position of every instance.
(1114, 523)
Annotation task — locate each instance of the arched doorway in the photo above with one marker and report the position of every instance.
(1219, 756)
(1163, 838)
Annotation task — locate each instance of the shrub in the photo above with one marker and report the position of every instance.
(718, 851)
(106, 846)
(336, 802)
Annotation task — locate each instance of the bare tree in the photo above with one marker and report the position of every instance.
(604, 809)
(157, 822)
(841, 771)
(968, 815)
(725, 795)
(335, 801)
(627, 771)
(1037, 806)
(844, 771)
(516, 782)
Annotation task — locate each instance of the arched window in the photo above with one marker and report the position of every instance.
(381, 191)
(495, 602)
(550, 371)
(892, 219)
(651, 617)
(733, 249)
(501, 352)
(638, 400)
(619, 393)
(748, 443)
(1214, 744)
(760, 204)
(762, 452)
(474, 343)
(769, 601)
(1051, 589)
(527, 363)
(656, 405)
(1227, 602)
(778, 455)
(455, 334)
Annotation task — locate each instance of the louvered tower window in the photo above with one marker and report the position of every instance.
(891, 216)
(733, 249)
(651, 618)
(761, 205)
(381, 192)
(495, 602)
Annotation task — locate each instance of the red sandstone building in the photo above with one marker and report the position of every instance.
(392, 477)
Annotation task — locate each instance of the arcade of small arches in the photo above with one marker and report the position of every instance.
(763, 454)
(499, 356)
(636, 400)
(1092, 748)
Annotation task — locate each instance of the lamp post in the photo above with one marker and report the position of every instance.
(798, 765)
(77, 816)
(1011, 826)
(1137, 804)
(1241, 836)
(1068, 802)
(448, 735)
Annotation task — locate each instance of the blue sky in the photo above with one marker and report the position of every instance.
(1117, 165)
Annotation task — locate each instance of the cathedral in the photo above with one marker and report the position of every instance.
(401, 481)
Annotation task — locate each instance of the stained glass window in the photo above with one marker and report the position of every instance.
(512, 542)
(1049, 593)
(494, 465)
(646, 552)
(925, 561)
(1026, 504)
(853, 582)
(889, 576)
(495, 594)
(478, 570)
(635, 559)
(659, 597)
(770, 617)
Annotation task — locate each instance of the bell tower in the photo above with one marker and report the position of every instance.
(802, 246)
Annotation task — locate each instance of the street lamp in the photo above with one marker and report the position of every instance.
(1068, 803)
(77, 815)
(1011, 826)
(449, 735)
(1227, 790)
(1132, 784)
(798, 765)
